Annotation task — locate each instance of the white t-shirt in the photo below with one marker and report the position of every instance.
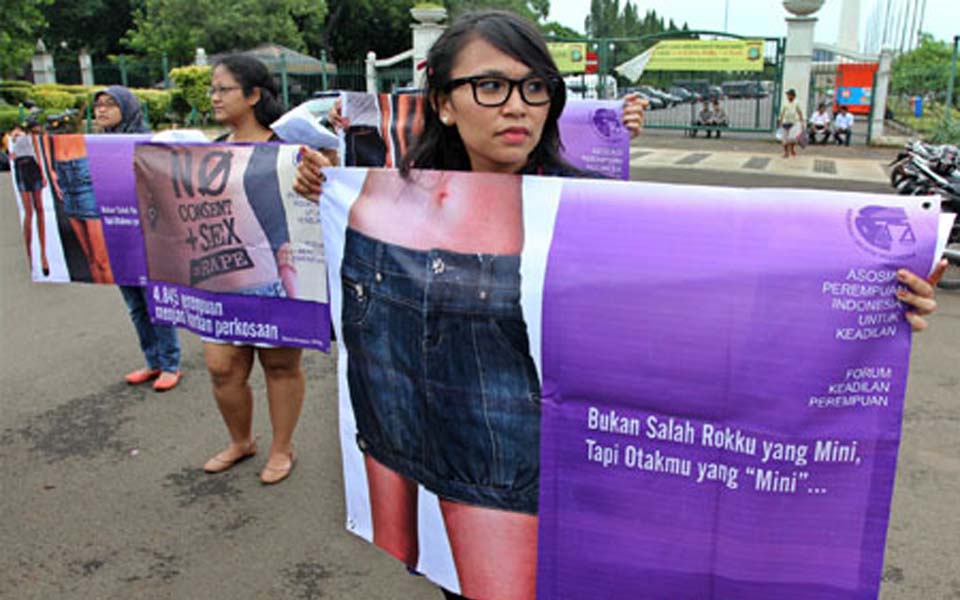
(23, 146)
(820, 118)
(843, 121)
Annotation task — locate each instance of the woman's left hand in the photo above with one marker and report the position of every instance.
(633, 109)
(919, 294)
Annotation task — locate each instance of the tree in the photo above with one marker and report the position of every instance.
(532, 10)
(355, 27)
(23, 23)
(541, 8)
(178, 27)
(97, 25)
(554, 29)
(924, 69)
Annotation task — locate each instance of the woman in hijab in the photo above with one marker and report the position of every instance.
(117, 110)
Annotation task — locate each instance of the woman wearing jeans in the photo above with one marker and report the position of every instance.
(117, 110)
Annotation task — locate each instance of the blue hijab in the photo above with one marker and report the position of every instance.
(132, 116)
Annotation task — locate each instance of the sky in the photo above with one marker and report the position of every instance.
(765, 17)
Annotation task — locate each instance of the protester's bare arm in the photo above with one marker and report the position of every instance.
(335, 116)
(633, 111)
(309, 178)
(919, 294)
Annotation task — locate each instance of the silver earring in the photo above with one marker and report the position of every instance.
(445, 120)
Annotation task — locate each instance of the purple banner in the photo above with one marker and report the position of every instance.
(242, 319)
(723, 385)
(706, 383)
(594, 137)
(232, 252)
(111, 170)
(78, 209)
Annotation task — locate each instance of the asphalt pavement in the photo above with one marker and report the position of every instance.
(102, 496)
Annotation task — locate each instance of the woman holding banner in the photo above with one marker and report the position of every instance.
(446, 395)
(117, 110)
(245, 100)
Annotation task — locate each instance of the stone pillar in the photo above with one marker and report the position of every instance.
(798, 55)
(42, 63)
(426, 31)
(86, 67)
(200, 59)
(880, 94)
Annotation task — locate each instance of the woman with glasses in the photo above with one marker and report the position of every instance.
(245, 100)
(450, 398)
(117, 110)
(441, 381)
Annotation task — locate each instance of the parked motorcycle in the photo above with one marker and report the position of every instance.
(924, 169)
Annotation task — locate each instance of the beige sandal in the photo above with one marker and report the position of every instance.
(224, 460)
(271, 475)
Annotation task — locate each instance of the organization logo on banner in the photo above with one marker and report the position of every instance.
(883, 231)
(606, 123)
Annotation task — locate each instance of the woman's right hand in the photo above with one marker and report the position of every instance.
(335, 116)
(308, 182)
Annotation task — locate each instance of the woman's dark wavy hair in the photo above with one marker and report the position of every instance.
(440, 146)
(251, 73)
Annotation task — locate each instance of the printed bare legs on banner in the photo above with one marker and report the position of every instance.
(442, 384)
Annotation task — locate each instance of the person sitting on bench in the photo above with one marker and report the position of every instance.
(704, 119)
(718, 117)
(843, 126)
(820, 125)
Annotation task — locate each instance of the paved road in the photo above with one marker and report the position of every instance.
(101, 495)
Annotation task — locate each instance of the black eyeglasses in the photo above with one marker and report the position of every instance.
(490, 90)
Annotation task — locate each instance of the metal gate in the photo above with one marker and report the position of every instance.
(749, 99)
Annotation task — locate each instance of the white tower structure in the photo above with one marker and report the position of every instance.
(848, 36)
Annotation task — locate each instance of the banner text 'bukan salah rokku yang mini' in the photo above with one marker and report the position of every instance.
(233, 253)
(599, 389)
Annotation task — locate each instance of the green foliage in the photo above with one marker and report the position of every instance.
(23, 21)
(178, 27)
(924, 69)
(557, 30)
(529, 9)
(15, 92)
(191, 84)
(53, 100)
(948, 132)
(156, 103)
(97, 25)
(607, 19)
(8, 118)
(62, 87)
(354, 27)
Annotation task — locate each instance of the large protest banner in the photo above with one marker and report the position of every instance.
(75, 201)
(638, 391)
(382, 127)
(233, 253)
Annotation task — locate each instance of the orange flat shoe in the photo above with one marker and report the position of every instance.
(166, 381)
(141, 376)
(271, 475)
(224, 460)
